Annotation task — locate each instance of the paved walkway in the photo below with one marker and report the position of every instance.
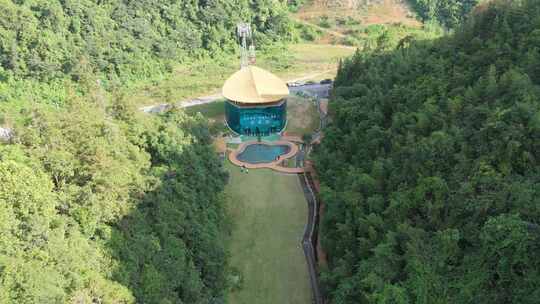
(292, 138)
(310, 237)
(310, 76)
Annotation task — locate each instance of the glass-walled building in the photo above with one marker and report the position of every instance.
(256, 102)
(256, 120)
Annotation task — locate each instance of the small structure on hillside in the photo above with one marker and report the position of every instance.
(256, 99)
(6, 134)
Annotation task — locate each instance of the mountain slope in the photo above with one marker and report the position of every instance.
(100, 203)
(44, 44)
(431, 168)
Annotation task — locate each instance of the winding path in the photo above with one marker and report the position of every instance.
(337, 34)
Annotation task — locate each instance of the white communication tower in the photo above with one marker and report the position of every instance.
(247, 55)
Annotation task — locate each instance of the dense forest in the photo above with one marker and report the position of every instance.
(449, 13)
(98, 203)
(44, 44)
(101, 205)
(431, 167)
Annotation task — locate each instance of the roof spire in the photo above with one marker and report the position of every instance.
(247, 55)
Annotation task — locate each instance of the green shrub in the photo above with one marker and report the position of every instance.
(324, 21)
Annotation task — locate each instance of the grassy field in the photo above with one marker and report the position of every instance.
(316, 60)
(214, 110)
(302, 116)
(269, 212)
(206, 77)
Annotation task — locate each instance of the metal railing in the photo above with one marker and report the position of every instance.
(309, 240)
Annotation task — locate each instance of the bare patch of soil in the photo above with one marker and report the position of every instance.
(377, 12)
(390, 11)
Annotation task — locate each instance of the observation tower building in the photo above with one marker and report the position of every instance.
(256, 102)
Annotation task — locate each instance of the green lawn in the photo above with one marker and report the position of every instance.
(213, 110)
(302, 116)
(269, 212)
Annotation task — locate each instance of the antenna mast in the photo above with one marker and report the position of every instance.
(247, 55)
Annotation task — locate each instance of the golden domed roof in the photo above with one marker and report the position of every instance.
(254, 85)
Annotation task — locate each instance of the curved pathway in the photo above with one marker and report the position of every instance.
(320, 28)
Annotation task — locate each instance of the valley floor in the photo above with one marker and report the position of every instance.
(297, 62)
(269, 213)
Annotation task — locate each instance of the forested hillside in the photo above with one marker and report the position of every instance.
(98, 203)
(449, 13)
(103, 206)
(431, 168)
(46, 43)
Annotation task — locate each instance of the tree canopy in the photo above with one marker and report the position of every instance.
(104, 205)
(449, 13)
(99, 203)
(45, 44)
(430, 168)
(123, 38)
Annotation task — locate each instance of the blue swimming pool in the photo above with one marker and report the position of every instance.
(262, 153)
